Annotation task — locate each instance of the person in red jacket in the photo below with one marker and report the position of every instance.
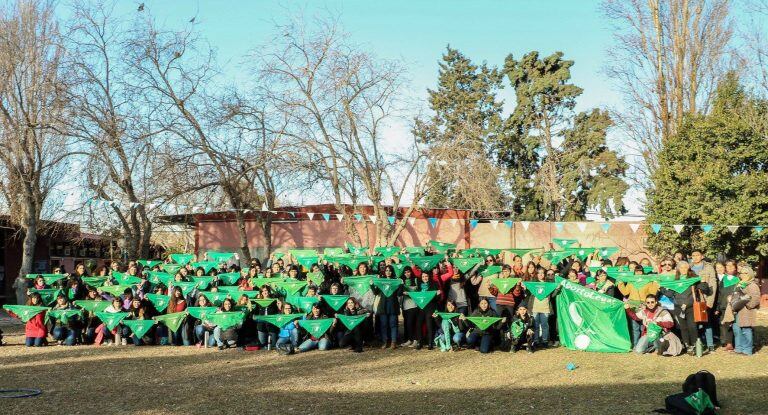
(650, 312)
(35, 330)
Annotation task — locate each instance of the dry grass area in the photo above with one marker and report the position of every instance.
(183, 380)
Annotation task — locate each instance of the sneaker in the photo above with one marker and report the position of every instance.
(385, 345)
(711, 349)
(413, 344)
(124, 342)
(394, 345)
(418, 346)
(405, 344)
(221, 347)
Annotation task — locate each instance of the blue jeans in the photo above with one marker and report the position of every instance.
(181, 335)
(264, 338)
(541, 328)
(309, 344)
(491, 302)
(66, 334)
(485, 341)
(643, 346)
(637, 329)
(217, 337)
(388, 327)
(34, 341)
(742, 338)
(126, 332)
(293, 340)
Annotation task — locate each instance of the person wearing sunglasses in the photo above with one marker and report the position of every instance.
(667, 266)
(664, 343)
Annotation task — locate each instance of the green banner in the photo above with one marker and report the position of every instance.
(200, 312)
(679, 286)
(173, 321)
(111, 320)
(484, 322)
(422, 298)
(278, 320)
(290, 287)
(160, 301)
(302, 303)
(264, 302)
(94, 282)
(182, 259)
(139, 328)
(48, 295)
(92, 305)
(48, 278)
(350, 322)
(540, 290)
(225, 320)
(360, 284)
(491, 270)
(251, 295)
(505, 285)
(318, 327)
(590, 321)
(387, 286)
(335, 301)
(220, 256)
(25, 312)
(64, 315)
(466, 264)
(149, 263)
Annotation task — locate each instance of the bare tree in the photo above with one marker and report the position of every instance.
(339, 101)
(33, 148)
(667, 59)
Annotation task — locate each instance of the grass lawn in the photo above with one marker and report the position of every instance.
(184, 380)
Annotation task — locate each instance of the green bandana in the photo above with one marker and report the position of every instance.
(115, 290)
(64, 315)
(335, 301)
(25, 312)
(278, 320)
(315, 278)
(607, 251)
(387, 286)
(540, 290)
(307, 261)
(186, 287)
(149, 263)
(48, 295)
(427, 263)
(48, 278)
(203, 282)
(229, 278)
(350, 322)
(488, 251)
(357, 250)
(360, 284)
(164, 278)
(730, 281)
(652, 332)
(139, 327)
(92, 305)
(215, 297)
(171, 268)
(399, 268)
(522, 251)
(700, 401)
(516, 328)
(637, 281)
(466, 264)
(441, 246)
(290, 287)
(220, 256)
(300, 253)
(201, 312)
(491, 270)
(422, 298)
(302, 303)
(111, 320)
(333, 251)
(173, 321)
(264, 302)
(387, 251)
(556, 257)
(318, 327)
(207, 266)
(447, 316)
(679, 286)
(228, 288)
(415, 250)
(484, 322)
(251, 295)
(260, 282)
(225, 320)
(182, 259)
(94, 282)
(565, 243)
(351, 262)
(160, 301)
(505, 285)
(125, 279)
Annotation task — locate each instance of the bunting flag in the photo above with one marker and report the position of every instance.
(387, 286)
(361, 284)
(606, 226)
(94, 282)
(302, 303)
(278, 320)
(174, 320)
(590, 321)
(759, 229)
(225, 319)
(730, 281)
(229, 278)
(559, 226)
(139, 328)
(149, 263)
(310, 215)
(505, 285)
(427, 263)
(160, 301)
(447, 316)
(25, 312)
(64, 315)
(264, 302)
(483, 323)
(49, 279)
(186, 287)
(707, 228)
(48, 295)
(525, 224)
(264, 207)
(678, 228)
(733, 228)
(540, 290)
(336, 302)
(339, 216)
(473, 223)
(200, 313)
(466, 264)
(358, 217)
(372, 218)
(125, 279)
(387, 251)
(491, 270)
(634, 227)
(509, 224)
(391, 220)
(182, 259)
(411, 221)
(203, 282)
(679, 286)
(220, 256)
(582, 226)
(494, 224)
(656, 227)
(453, 222)
(317, 327)
(350, 322)
(207, 266)
(422, 298)
(326, 216)
(565, 243)
(156, 277)
(92, 305)
(111, 320)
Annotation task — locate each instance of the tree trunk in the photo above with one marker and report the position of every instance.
(245, 252)
(30, 242)
(266, 227)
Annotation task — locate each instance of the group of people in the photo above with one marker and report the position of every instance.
(448, 300)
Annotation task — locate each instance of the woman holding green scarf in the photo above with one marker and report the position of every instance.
(745, 307)
(683, 312)
(727, 283)
(387, 310)
(65, 333)
(603, 285)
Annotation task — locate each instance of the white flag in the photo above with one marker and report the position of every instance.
(494, 223)
(310, 215)
(372, 218)
(634, 226)
(454, 222)
(411, 220)
(733, 228)
(264, 207)
(339, 216)
(678, 228)
(525, 224)
(582, 226)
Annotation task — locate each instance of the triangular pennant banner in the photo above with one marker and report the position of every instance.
(582, 226)
(327, 216)
(733, 228)
(310, 215)
(432, 222)
(525, 224)
(509, 223)
(759, 229)
(494, 224)
(678, 228)
(606, 227)
(339, 216)
(656, 227)
(391, 220)
(473, 223)
(358, 217)
(634, 227)
(559, 226)
(372, 218)
(707, 228)
(411, 221)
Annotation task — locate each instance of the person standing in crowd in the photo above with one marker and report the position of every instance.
(745, 306)
(706, 272)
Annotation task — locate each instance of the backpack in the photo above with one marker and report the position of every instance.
(703, 380)
(699, 396)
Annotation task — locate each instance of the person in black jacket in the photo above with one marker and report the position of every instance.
(683, 312)
(352, 338)
(424, 315)
(521, 330)
(483, 338)
(267, 333)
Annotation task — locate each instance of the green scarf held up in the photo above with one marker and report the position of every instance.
(350, 322)
(335, 301)
(260, 282)
(422, 298)
(215, 297)
(251, 295)
(387, 251)
(490, 270)
(225, 320)
(115, 290)
(186, 287)
(441, 245)
(92, 305)
(522, 251)
(387, 286)
(290, 287)
(220, 256)
(25, 312)
(139, 328)
(264, 302)
(229, 278)
(415, 250)
(201, 312)
(94, 282)
(315, 278)
(607, 251)
(730, 281)
(505, 285)
(652, 332)
(488, 251)
(427, 263)
(399, 268)
(160, 301)
(540, 290)
(516, 328)
(447, 316)
(317, 327)
(174, 320)
(302, 303)
(564, 243)
(307, 261)
(156, 277)
(228, 288)
(111, 320)
(149, 263)
(466, 264)
(203, 282)
(700, 401)
(360, 284)
(182, 259)
(637, 281)
(333, 251)
(207, 266)
(48, 278)
(681, 285)
(484, 322)
(125, 279)
(278, 320)
(300, 253)
(64, 315)
(356, 250)
(47, 295)
(171, 268)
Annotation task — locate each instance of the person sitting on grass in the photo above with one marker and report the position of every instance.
(482, 339)
(521, 330)
(288, 338)
(105, 335)
(450, 335)
(65, 333)
(320, 343)
(657, 323)
(35, 331)
(352, 338)
(226, 338)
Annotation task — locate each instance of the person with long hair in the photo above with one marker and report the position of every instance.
(65, 332)
(683, 312)
(387, 311)
(35, 332)
(352, 338)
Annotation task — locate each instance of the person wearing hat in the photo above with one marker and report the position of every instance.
(745, 304)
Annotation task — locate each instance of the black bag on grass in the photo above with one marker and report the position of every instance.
(703, 380)
(699, 396)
